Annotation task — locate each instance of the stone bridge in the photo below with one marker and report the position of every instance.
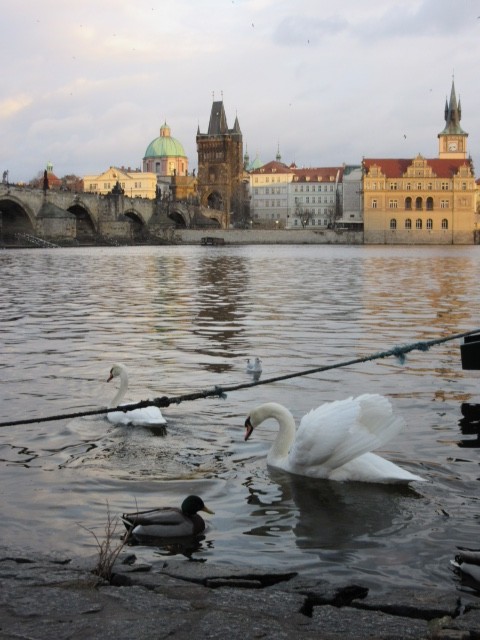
(86, 218)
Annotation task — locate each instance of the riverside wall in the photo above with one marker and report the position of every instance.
(264, 236)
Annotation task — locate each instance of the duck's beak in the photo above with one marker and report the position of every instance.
(110, 376)
(248, 428)
(205, 508)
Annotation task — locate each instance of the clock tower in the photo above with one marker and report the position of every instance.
(452, 141)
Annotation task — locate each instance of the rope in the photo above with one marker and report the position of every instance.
(220, 392)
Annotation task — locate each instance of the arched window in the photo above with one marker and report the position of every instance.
(429, 224)
(408, 223)
(444, 223)
(430, 204)
(408, 203)
(393, 223)
(418, 223)
(418, 203)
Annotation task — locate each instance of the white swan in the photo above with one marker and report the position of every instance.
(334, 441)
(146, 416)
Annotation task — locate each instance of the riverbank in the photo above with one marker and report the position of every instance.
(58, 597)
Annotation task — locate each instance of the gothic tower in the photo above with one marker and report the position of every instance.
(220, 164)
(452, 141)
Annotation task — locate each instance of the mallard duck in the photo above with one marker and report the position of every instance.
(146, 416)
(168, 522)
(335, 440)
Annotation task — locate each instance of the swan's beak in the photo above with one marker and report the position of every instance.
(248, 428)
(205, 508)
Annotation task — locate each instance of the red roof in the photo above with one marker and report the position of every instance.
(319, 174)
(272, 167)
(397, 168)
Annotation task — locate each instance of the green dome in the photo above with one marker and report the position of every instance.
(164, 146)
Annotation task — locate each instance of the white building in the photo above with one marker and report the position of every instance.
(284, 196)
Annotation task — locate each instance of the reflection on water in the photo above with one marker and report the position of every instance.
(187, 318)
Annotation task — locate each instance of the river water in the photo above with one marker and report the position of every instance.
(184, 319)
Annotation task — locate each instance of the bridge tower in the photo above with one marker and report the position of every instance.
(220, 164)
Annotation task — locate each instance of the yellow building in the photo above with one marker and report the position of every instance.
(134, 184)
(421, 200)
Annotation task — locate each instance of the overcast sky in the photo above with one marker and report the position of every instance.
(87, 84)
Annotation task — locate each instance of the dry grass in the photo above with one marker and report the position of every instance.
(109, 548)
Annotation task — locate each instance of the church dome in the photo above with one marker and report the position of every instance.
(165, 146)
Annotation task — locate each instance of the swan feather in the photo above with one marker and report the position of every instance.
(335, 441)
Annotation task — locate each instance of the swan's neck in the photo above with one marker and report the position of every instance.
(121, 391)
(286, 431)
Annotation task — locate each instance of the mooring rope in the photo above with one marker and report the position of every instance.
(220, 392)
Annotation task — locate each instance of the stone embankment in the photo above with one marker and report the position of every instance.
(45, 598)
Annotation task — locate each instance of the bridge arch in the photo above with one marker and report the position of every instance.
(16, 216)
(138, 227)
(86, 227)
(178, 217)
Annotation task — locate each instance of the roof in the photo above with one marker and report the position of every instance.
(218, 122)
(319, 174)
(397, 167)
(165, 146)
(453, 115)
(271, 167)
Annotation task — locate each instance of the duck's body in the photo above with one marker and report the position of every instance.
(167, 522)
(146, 416)
(335, 441)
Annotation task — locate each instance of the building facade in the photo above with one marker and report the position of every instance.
(220, 165)
(422, 200)
(134, 184)
(286, 197)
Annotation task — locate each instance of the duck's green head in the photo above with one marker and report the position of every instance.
(192, 504)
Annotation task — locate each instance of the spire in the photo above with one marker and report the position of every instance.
(453, 114)
(236, 126)
(278, 157)
(218, 119)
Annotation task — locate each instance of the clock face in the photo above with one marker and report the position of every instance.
(452, 146)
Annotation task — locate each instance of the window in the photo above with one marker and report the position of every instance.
(418, 223)
(430, 204)
(374, 204)
(444, 223)
(444, 186)
(408, 186)
(393, 224)
(408, 223)
(444, 204)
(429, 186)
(419, 186)
(418, 203)
(408, 203)
(392, 204)
(464, 186)
(429, 224)
(393, 186)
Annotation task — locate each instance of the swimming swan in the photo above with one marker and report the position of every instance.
(167, 522)
(334, 441)
(145, 416)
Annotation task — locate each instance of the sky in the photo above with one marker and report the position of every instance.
(87, 85)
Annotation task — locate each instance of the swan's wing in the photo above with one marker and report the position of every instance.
(340, 431)
(144, 416)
